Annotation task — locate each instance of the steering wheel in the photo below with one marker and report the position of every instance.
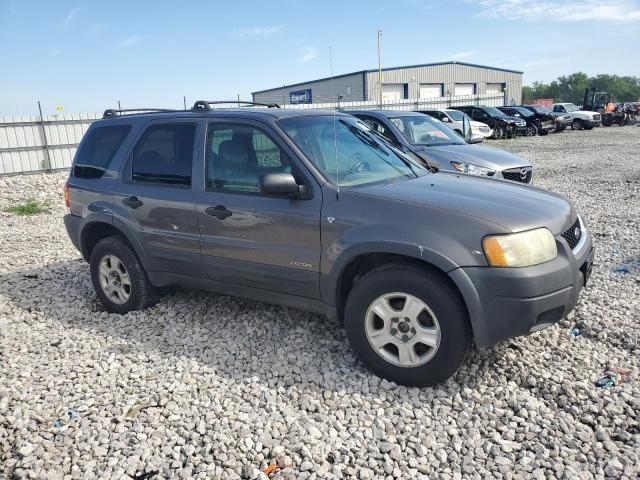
(361, 166)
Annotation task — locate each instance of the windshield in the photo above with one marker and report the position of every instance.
(425, 130)
(524, 112)
(456, 115)
(494, 112)
(542, 109)
(347, 151)
(570, 107)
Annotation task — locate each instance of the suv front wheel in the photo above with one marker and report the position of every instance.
(407, 325)
(118, 277)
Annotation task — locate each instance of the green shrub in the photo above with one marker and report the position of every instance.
(30, 207)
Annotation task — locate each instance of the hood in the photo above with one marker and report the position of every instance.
(514, 207)
(509, 118)
(486, 156)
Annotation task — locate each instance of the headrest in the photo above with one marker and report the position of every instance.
(233, 153)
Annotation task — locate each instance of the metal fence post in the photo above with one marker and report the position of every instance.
(45, 144)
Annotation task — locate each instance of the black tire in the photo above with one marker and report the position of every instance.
(532, 131)
(141, 293)
(431, 288)
(588, 127)
(497, 133)
(577, 124)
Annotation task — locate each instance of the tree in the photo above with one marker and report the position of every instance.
(571, 88)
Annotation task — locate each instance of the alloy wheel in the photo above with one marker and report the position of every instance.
(114, 279)
(402, 329)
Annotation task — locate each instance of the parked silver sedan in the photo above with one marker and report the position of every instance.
(436, 144)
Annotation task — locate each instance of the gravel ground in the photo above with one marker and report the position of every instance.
(204, 386)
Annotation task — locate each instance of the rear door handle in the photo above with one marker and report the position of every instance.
(132, 202)
(219, 211)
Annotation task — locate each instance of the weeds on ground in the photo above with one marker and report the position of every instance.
(30, 207)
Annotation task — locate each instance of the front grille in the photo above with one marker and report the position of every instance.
(573, 234)
(521, 174)
(484, 129)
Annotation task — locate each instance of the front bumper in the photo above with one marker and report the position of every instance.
(509, 302)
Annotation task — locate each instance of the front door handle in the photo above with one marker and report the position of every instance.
(219, 211)
(132, 202)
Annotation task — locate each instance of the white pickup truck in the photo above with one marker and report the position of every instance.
(579, 118)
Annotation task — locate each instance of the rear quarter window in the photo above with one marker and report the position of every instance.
(98, 149)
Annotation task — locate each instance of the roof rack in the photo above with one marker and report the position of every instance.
(111, 112)
(206, 104)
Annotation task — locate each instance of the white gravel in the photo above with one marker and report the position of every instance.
(204, 386)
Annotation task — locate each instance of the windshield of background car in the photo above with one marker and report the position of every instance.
(494, 112)
(524, 112)
(425, 130)
(570, 107)
(347, 151)
(541, 109)
(456, 115)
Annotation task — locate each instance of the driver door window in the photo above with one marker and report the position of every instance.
(238, 156)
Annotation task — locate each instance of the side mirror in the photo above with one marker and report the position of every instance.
(517, 115)
(280, 184)
(445, 119)
(476, 139)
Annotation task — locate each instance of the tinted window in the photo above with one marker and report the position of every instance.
(347, 151)
(376, 125)
(164, 155)
(98, 150)
(238, 155)
(456, 115)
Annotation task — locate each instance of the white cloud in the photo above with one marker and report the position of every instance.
(307, 54)
(259, 31)
(620, 11)
(129, 41)
(73, 13)
(460, 55)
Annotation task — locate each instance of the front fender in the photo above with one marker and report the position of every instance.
(329, 282)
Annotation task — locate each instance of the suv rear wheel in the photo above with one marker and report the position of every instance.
(118, 277)
(407, 325)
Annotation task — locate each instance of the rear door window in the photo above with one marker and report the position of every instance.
(98, 149)
(164, 155)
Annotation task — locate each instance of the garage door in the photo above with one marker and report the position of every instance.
(464, 89)
(392, 91)
(495, 87)
(430, 90)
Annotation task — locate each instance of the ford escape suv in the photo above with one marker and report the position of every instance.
(314, 210)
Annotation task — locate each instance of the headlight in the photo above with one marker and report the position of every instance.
(520, 249)
(472, 169)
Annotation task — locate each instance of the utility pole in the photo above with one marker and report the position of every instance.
(379, 69)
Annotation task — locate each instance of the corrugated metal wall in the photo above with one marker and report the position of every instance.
(321, 90)
(447, 74)
(22, 145)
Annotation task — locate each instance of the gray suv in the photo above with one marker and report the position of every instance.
(314, 210)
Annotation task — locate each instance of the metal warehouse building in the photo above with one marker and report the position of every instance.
(429, 80)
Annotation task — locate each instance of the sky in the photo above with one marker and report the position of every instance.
(87, 55)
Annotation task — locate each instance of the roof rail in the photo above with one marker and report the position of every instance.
(206, 104)
(114, 112)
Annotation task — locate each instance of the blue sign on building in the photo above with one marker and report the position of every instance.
(301, 96)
